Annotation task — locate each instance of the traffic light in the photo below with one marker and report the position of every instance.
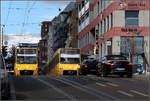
(96, 37)
(4, 51)
(96, 50)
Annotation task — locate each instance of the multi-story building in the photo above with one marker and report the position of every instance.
(118, 26)
(72, 40)
(50, 40)
(43, 50)
(63, 30)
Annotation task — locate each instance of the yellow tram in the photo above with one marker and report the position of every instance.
(26, 61)
(65, 61)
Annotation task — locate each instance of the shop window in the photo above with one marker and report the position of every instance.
(127, 44)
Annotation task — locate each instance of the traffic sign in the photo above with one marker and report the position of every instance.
(108, 43)
(129, 50)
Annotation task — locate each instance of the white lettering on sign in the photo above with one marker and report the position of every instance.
(70, 55)
(26, 55)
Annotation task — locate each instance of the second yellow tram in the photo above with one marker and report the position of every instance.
(65, 61)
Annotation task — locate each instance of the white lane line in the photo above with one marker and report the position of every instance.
(138, 93)
(55, 88)
(91, 90)
(131, 80)
(125, 93)
(100, 84)
(84, 79)
(112, 84)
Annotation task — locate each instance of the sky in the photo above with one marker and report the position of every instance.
(22, 19)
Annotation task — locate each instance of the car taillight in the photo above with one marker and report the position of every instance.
(129, 63)
(117, 60)
(108, 63)
(85, 65)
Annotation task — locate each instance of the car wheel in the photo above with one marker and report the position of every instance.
(121, 75)
(84, 73)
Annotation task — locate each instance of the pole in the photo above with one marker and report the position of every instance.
(2, 35)
(0, 39)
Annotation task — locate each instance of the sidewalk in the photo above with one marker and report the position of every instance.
(143, 76)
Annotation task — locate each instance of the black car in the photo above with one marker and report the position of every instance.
(89, 66)
(115, 64)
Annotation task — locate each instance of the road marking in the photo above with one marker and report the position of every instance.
(77, 85)
(122, 92)
(55, 88)
(84, 79)
(138, 93)
(131, 80)
(89, 90)
(100, 84)
(115, 85)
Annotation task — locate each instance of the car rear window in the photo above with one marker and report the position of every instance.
(121, 63)
(117, 58)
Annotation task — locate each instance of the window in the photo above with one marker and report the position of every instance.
(131, 18)
(88, 38)
(87, 15)
(79, 7)
(79, 22)
(97, 33)
(111, 16)
(98, 8)
(104, 25)
(107, 23)
(134, 44)
(101, 28)
(82, 4)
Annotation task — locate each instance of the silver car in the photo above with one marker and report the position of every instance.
(4, 80)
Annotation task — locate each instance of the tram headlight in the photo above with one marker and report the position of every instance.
(17, 68)
(61, 68)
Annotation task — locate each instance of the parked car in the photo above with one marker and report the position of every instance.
(115, 64)
(89, 66)
(5, 88)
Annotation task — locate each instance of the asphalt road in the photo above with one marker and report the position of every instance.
(85, 88)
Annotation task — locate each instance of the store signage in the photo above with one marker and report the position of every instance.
(108, 43)
(136, 4)
(128, 29)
